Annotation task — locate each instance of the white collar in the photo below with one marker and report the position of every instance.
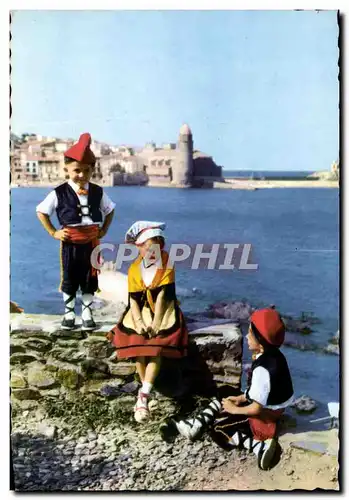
(258, 355)
(76, 187)
(153, 265)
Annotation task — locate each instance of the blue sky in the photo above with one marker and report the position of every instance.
(259, 89)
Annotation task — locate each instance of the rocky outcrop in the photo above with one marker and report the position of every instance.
(298, 330)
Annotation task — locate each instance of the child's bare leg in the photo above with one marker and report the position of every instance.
(152, 370)
(140, 367)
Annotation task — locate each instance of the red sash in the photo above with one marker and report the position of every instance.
(83, 235)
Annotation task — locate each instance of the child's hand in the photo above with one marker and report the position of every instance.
(101, 233)
(155, 330)
(229, 406)
(149, 332)
(237, 400)
(61, 235)
(141, 328)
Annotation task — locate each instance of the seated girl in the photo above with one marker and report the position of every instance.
(152, 325)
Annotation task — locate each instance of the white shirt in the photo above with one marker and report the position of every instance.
(260, 388)
(148, 273)
(50, 203)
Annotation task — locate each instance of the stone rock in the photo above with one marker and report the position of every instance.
(122, 369)
(69, 377)
(25, 404)
(332, 349)
(95, 368)
(15, 308)
(50, 393)
(304, 404)
(236, 311)
(18, 381)
(97, 386)
(99, 350)
(110, 390)
(139, 465)
(27, 393)
(69, 335)
(67, 343)
(38, 344)
(15, 348)
(94, 339)
(300, 343)
(40, 378)
(218, 342)
(24, 333)
(131, 387)
(47, 430)
(335, 339)
(102, 331)
(298, 325)
(69, 355)
(20, 358)
(317, 447)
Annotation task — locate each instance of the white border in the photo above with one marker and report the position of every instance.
(4, 198)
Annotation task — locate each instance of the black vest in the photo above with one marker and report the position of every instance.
(281, 388)
(69, 208)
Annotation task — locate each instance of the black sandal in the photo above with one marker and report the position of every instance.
(88, 324)
(68, 324)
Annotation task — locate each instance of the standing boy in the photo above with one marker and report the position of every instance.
(85, 213)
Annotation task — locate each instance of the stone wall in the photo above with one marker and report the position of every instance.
(48, 362)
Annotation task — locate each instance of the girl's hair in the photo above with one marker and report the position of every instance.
(159, 240)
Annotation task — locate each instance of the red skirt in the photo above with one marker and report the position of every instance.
(132, 345)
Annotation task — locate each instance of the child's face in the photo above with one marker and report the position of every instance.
(80, 173)
(252, 342)
(148, 253)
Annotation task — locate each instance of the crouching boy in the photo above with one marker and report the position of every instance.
(250, 420)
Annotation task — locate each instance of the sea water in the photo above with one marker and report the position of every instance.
(294, 235)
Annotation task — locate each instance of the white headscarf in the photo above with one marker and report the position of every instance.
(143, 230)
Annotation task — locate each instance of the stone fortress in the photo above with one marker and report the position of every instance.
(179, 165)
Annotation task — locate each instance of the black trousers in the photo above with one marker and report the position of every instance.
(76, 269)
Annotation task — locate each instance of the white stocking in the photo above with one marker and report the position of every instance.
(69, 302)
(87, 299)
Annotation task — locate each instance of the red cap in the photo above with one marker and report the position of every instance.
(81, 150)
(269, 324)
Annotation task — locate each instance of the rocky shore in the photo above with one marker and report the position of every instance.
(72, 412)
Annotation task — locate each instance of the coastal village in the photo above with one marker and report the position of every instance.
(38, 160)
